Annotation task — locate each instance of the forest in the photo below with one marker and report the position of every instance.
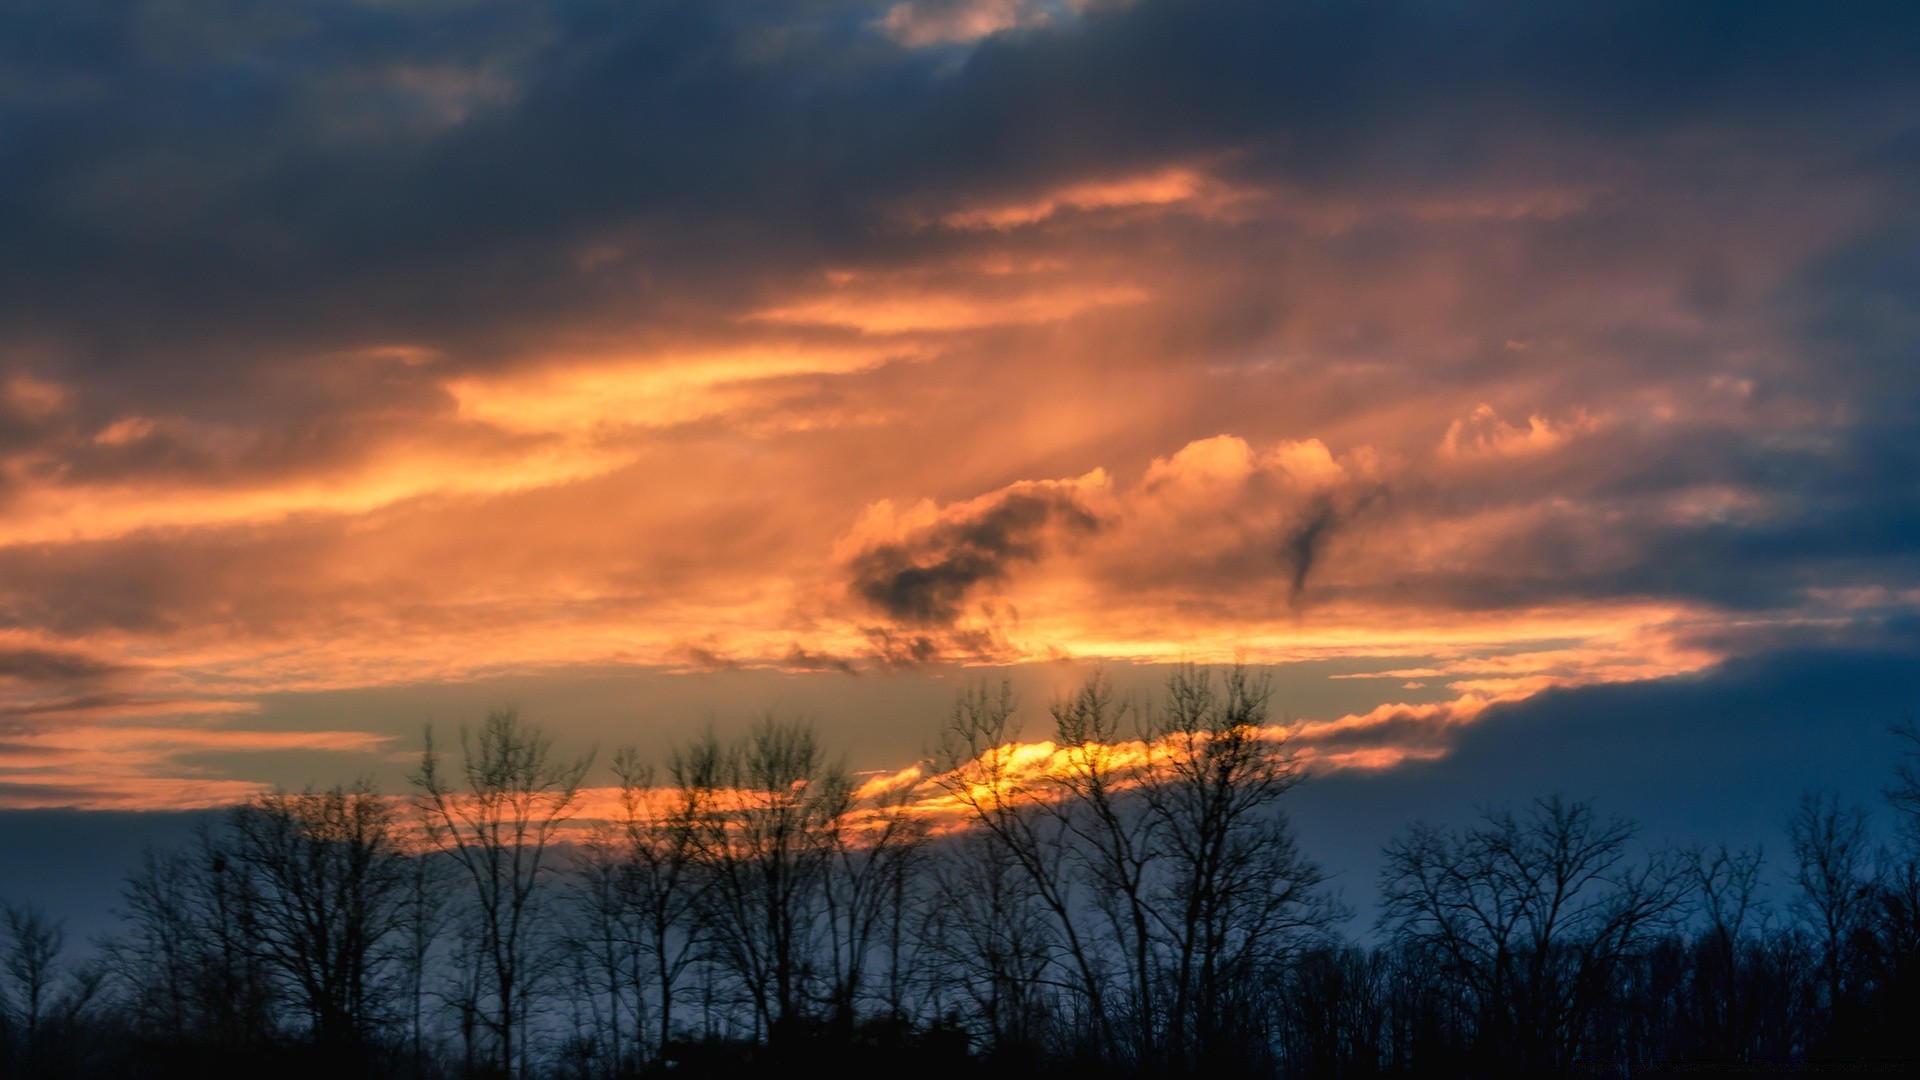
(1136, 904)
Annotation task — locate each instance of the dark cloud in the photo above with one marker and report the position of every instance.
(53, 666)
(1302, 543)
(702, 658)
(247, 577)
(335, 172)
(799, 659)
(90, 705)
(1306, 538)
(926, 578)
(1623, 515)
(1720, 756)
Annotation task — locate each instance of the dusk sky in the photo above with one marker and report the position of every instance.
(1532, 385)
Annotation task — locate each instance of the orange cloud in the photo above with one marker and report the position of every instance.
(1138, 408)
(582, 399)
(1485, 434)
(896, 311)
(1188, 189)
(97, 761)
(920, 23)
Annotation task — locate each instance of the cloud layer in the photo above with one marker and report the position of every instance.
(351, 344)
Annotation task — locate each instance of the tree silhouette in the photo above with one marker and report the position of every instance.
(1127, 899)
(499, 826)
(1236, 899)
(764, 848)
(662, 844)
(327, 885)
(1534, 913)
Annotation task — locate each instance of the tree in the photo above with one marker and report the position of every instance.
(186, 956)
(1156, 840)
(872, 841)
(1534, 913)
(1904, 795)
(499, 825)
(989, 941)
(1332, 1008)
(1235, 898)
(1112, 842)
(604, 947)
(44, 998)
(661, 829)
(1897, 910)
(328, 889)
(30, 962)
(980, 769)
(764, 845)
(1831, 846)
(1724, 1004)
(424, 914)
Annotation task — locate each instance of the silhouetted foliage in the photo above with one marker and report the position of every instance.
(1125, 900)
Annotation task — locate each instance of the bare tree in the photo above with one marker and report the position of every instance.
(1897, 888)
(604, 946)
(661, 829)
(990, 942)
(328, 885)
(1235, 898)
(33, 946)
(976, 766)
(764, 846)
(1112, 841)
(424, 914)
(1831, 845)
(1156, 840)
(872, 840)
(1904, 795)
(1332, 1010)
(1534, 914)
(1726, 886)
(46, 1000)
(499, 825)
(187, 955)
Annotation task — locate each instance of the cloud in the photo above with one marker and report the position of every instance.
(922, 567)
(1220, 513)
(120, 752)
(1177, 187)
(1485, 434)
(1214, 510)
(38, 666)
(1302, 545)
(921, 23)
(348, 345)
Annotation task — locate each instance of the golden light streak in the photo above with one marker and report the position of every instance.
(1187, 189)
(584, 397)
(92, 765)
(54, 515)
(898, 311)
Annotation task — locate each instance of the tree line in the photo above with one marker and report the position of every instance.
(1130, 900)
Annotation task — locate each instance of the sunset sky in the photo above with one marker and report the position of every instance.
(1506, 374)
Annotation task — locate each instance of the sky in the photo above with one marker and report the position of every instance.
(1531, 389)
